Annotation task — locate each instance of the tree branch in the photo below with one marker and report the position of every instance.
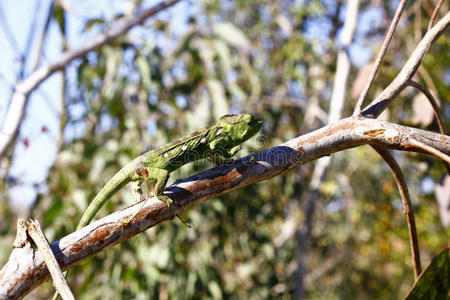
(26, 268)
(377, 64)
(22, 90)
(409, 69)
(407, 206)
(434, 15)
(431, 150)
(435, 106)
(433, 103)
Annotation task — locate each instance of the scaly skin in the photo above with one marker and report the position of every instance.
(217, 142)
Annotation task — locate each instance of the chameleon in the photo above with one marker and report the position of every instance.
(216, 142)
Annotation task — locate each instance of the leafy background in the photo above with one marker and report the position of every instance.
(277, 60)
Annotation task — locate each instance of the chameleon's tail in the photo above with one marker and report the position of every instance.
(119, 180)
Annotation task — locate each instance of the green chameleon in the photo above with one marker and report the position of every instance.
(217, 142)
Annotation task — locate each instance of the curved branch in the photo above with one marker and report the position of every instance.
(435, 106)
(20, 275)
(407, 206)
(22, 90)
(377, 64)
(431, 150)
(434, 15)
(409, 69)
(433, 103)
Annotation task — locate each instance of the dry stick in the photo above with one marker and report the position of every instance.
(376, 67)
(22, 90)
(35, 231)
(21, 274)
(434, 15)
(407, 206)
(409, 69)
(433, 103)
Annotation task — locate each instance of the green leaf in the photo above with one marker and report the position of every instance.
(434, 282)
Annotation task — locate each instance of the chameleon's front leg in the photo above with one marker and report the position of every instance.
(161, 176)
(150, 174)
(154, 174)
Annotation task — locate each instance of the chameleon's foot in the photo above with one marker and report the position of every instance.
(184, 221)
(164, 198)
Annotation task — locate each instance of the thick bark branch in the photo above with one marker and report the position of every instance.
(26, 269)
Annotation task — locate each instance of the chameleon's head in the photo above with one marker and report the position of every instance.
(241, 127)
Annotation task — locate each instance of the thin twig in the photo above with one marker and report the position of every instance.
(435, 106)
(29, 42)
(431, 150)
(43, 36)
(8, 33)
(35, 231)
(375, 108)
(407, 206)
(377, 64)
(433, 103)
(434, 15)
(425, 75)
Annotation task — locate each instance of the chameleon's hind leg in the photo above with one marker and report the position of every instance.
(136, 189)
(161, 176)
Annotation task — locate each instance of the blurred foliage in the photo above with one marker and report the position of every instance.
(276, 60)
